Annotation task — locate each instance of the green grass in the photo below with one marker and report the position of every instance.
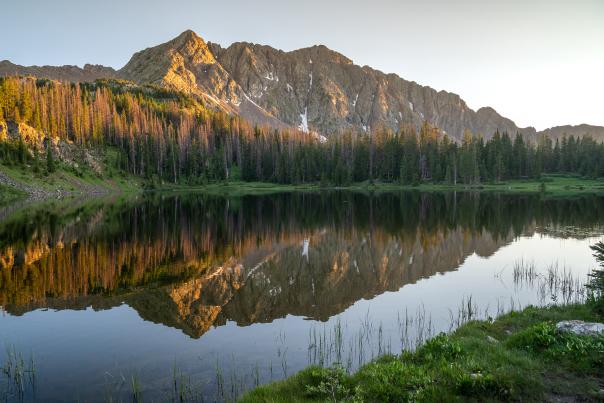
(550, 185)
(240, 188)
(518, 357)
(9, 194)
(67, 179)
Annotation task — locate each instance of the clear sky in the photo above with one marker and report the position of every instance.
(538, 62)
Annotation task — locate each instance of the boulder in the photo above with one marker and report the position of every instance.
(581, 328)
(493, 340)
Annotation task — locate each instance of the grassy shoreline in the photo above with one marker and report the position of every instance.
(10, 194)
(66, 180)
(27, 184)
(550, 185)
(519, 356)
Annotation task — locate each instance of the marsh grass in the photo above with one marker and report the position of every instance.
(19, 376)
(556, 284)
(183, 389)
(136, 389)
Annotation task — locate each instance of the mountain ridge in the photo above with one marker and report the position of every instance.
(314, 89)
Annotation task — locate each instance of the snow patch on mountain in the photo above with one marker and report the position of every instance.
(304, 120)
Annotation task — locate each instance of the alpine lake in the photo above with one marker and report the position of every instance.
(180, 296)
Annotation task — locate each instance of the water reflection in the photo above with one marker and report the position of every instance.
(194, 261)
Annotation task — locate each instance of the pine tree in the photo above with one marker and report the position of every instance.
(50, 162)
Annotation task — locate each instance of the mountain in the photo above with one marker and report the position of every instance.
(321, 90)
(76, 74)
(187, 64)
(313, 89)
(596, 132)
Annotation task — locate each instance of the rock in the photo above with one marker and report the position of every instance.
(492, 340)
(581, 328)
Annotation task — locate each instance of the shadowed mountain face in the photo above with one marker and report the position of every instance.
(558, 132)
(317, 89)
(197, 262)
(313, 89)
(62, 73)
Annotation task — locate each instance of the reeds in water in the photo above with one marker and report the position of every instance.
(558, 284)
(19, 376)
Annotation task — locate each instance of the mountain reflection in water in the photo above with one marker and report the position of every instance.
(194, 262)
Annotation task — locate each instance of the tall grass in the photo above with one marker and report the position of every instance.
(558, 284)
(19, 376)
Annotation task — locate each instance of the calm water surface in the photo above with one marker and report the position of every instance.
(219, 294)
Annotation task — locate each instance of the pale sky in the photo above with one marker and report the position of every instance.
(537, 62)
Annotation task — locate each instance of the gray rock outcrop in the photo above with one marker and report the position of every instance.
(581, 328)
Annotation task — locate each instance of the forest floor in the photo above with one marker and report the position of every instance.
(518, 357)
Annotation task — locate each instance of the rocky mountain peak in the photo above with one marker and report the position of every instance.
(190, 45)
(314, 89)
(188, 64)
(172, 64)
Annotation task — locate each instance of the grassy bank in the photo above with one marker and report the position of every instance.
(64, 180)
(83, 180)
(519, 356)
(9, 194)
(551, 185)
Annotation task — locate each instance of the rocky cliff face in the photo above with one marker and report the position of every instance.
(187, 64)
(313, 89)
(317, 89)
(38, 141)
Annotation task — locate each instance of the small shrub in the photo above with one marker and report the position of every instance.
(391, 381)
(480, 384)
(596, 283)
(440, 347)
(328, 383)
(544, 337)
(536, 338)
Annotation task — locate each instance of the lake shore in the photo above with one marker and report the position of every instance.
(519, 356)
(551, 185)
(17, 183)
(23, 184)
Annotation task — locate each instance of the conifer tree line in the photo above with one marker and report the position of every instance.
(171, 137)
